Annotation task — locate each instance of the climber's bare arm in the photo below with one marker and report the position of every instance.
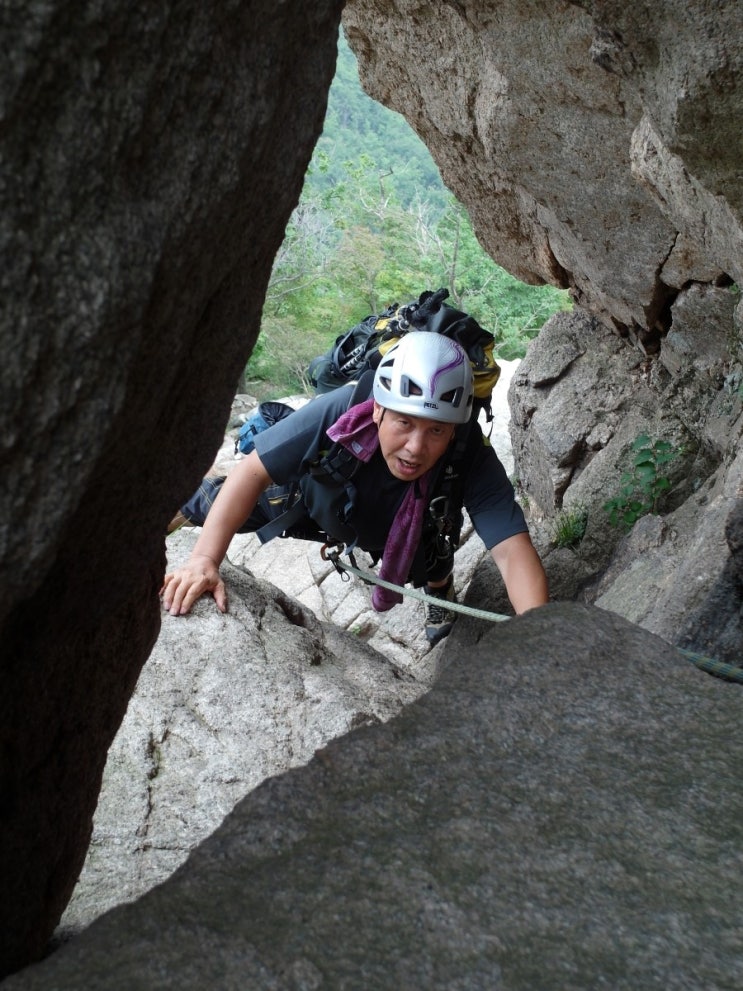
(200, 574)
(522, 571)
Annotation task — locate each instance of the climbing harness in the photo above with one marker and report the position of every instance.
(328, 553)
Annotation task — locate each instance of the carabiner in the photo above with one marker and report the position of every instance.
(334, 557)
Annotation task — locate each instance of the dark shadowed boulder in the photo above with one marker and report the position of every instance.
(151, 158)
(561, 810)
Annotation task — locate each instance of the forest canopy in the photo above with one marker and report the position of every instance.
(376, 225)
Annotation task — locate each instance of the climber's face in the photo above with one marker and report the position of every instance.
(410, 445)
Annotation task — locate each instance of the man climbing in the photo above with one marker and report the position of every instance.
(384, 491)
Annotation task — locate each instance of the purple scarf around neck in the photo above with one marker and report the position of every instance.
(357, 432)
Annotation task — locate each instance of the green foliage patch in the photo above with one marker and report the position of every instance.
(569, 526)
(375, 225)
(642, 487)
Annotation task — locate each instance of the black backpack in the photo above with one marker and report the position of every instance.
(362, 347)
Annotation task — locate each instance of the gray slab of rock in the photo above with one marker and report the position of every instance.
(223, 702)
(676, 575)
(562, 810)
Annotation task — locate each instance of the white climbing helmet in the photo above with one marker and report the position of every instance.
(426, 374)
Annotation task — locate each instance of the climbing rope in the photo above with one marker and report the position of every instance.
(729, 672)
(370, 578)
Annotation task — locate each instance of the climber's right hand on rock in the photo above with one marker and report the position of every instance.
(182, 587)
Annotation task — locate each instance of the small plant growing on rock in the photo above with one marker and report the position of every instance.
(569, 526)
(521, 494)
(642, 487)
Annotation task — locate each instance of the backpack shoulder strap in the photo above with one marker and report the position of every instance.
(335, 467)
(447, 491)
(363, 388)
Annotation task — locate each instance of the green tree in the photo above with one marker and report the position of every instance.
(375, 225)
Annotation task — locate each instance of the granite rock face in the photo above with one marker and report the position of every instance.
(596, 145)
(224, 702)
(580, 400)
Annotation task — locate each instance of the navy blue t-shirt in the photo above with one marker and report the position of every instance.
(289, 447)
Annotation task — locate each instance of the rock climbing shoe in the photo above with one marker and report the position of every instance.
(439, 619)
